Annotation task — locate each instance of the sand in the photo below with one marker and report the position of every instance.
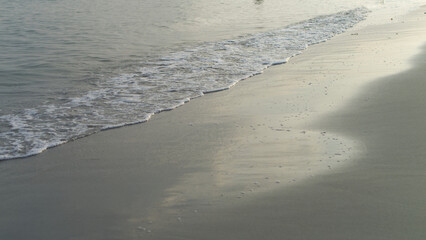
(328, 146)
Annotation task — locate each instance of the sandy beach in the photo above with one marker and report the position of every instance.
(327, 146)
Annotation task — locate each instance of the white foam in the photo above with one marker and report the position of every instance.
(163, 84)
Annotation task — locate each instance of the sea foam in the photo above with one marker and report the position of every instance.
(164, 83)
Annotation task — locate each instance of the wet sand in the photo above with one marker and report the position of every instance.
(328, 146)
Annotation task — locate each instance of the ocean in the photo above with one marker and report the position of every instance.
(69, 69)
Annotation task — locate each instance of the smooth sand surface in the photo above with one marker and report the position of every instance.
(328, 146)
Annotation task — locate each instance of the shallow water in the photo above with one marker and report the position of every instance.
(72, 68)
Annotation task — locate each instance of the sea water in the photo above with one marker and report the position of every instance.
(69, 69)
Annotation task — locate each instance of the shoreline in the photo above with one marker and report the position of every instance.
(211, 169)
(176, 91)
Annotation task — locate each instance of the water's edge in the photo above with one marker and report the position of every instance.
(165, 84)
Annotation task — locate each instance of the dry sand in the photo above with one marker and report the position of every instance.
(328, 146)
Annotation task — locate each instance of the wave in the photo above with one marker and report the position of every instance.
(162, 84)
